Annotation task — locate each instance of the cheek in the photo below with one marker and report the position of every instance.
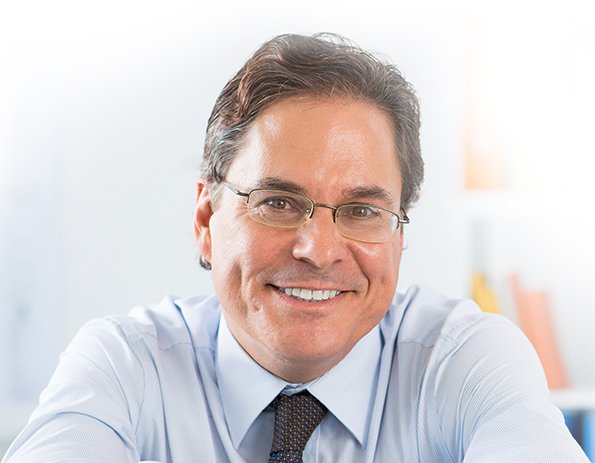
(240, 249)
(380, 263)
(226, 255)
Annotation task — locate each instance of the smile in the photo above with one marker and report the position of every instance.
(312, 295)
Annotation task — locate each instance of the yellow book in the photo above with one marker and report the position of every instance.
(483, 295)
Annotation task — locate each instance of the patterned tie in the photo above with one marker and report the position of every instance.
(296, 418)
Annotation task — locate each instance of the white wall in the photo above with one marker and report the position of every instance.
(104, 104)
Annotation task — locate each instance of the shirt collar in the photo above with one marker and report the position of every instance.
(350, 381)
(349, 389)
(246, 388)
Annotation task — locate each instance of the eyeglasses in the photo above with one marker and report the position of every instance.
(356, 221)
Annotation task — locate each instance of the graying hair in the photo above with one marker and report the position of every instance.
(320, 65)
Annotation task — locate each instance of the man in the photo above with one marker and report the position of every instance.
(311, 163)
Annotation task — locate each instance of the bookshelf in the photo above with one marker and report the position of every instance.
(508, 240)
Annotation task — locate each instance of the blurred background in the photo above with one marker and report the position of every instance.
(103, 107)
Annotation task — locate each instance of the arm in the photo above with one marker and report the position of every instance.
(88, 410)
(492, 399)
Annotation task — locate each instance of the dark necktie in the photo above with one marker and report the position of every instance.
(296, 418)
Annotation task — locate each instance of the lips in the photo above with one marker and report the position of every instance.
(311, 295)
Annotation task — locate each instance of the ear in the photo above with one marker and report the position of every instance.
(202, 219)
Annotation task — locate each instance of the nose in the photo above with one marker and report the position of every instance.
(318, 242)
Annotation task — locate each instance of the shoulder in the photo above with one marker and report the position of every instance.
(118, 362)
(158, 327)
(464, 370)
(452, 341)
(426, 317)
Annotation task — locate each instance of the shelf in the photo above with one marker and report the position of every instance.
(509, 205)
(574, 399)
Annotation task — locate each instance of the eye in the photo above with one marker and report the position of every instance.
(275, 204)
(279, 203)
(360, 211)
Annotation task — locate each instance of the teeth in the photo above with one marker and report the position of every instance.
(311, 295)
(305, 294)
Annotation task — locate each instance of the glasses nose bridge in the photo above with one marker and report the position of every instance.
(327, 206)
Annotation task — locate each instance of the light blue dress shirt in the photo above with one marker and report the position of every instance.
(436, 381)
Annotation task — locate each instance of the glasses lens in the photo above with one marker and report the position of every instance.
(278, 208)
(365, 222)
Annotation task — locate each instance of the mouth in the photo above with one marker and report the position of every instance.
(310, 295)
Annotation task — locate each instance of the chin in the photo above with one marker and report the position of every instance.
(306, 349)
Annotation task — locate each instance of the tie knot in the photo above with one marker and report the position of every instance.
(296, 417)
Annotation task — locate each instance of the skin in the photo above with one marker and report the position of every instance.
(331, 149)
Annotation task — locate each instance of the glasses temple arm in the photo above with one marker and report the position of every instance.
(405, 218)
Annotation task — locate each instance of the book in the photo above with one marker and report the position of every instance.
(588, 434)
(483, 294)
(574, 422)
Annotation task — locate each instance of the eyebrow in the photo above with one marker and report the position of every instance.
(374, 192)
(369, 192)
(276, 183)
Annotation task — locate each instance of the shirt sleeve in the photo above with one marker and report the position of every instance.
(492, 400)
(87, 412)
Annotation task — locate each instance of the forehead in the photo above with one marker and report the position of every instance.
(324, 144)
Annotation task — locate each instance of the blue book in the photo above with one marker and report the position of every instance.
(574, 423)
(588, 425)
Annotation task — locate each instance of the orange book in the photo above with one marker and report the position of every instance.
(535, 319)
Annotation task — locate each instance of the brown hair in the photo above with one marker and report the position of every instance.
(321, 65)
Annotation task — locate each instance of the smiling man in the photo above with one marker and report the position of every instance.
(306, 353)
(299, 292)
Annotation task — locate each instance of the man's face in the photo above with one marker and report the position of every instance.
(336, 151)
